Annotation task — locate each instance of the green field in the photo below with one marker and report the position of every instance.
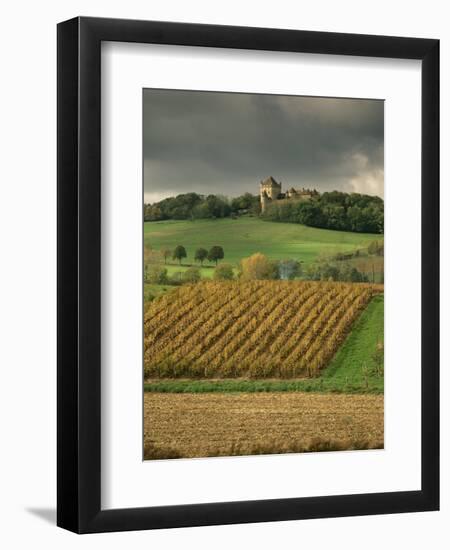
(352, 370)
(207, 271)
(244, 236)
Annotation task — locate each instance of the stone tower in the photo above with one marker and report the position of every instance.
(269, 190)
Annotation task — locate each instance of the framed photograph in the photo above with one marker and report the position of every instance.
(248, 275)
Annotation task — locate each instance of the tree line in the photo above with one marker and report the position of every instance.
(332, 210)
(259, 267)
(190, 206)
(214, 254)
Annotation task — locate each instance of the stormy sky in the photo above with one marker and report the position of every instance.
(225, 143)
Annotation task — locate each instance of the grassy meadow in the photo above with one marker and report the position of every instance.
(244, 236)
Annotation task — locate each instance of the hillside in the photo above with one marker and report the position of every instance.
(256, 329)
(246, 235)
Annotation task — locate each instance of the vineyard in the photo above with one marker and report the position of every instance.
(256, 329)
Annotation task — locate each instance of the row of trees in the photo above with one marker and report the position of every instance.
(190, 206)
(214, 254)
(327, 271)
(333, 210)
(259, 267)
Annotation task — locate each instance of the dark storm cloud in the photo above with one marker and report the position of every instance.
(211, 142)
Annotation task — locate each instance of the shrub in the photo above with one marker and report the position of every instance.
(191, 275)
(326, 271)
(156, 274)
(258, 267)
(176, 278)
(289, 269)
(376, 247)
(223, 272)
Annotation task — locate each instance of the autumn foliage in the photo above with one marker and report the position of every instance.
(256, 328)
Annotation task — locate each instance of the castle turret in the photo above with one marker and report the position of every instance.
(269, 189)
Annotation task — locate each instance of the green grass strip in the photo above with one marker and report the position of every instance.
(354, 361)
(250, 386)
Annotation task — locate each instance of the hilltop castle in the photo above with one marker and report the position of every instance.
(270, 190)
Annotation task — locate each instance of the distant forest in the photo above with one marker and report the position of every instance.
(330, 210)
(194, 206)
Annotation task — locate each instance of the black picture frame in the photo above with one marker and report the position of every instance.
(79, 281)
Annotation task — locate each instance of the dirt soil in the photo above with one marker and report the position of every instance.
(212, 424)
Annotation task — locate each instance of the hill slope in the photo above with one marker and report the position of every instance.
(244, 236)
(256, 329)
